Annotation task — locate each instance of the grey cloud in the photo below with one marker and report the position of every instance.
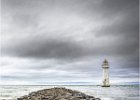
(63, 50)
(44, 48)
(110, 30)
(125, 26)
(25, 20)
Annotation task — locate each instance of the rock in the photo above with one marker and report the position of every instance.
(97, 99)
(57, 94)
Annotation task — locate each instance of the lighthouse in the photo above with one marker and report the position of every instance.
(105, 67)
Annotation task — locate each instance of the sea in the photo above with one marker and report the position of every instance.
(114, 92)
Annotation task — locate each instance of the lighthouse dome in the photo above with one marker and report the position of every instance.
(105, 64)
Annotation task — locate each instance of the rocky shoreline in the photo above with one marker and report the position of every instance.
(57, 94)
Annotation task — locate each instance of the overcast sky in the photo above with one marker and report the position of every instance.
(67, 40)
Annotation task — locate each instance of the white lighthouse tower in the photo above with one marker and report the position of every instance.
(105, 67)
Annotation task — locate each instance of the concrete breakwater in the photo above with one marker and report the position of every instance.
(57, 94)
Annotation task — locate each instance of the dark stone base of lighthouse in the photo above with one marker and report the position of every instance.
(105, 85)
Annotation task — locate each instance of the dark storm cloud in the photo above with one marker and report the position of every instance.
(45, 48)
(62, 49)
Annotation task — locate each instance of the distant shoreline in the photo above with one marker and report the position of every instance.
(70, 85)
